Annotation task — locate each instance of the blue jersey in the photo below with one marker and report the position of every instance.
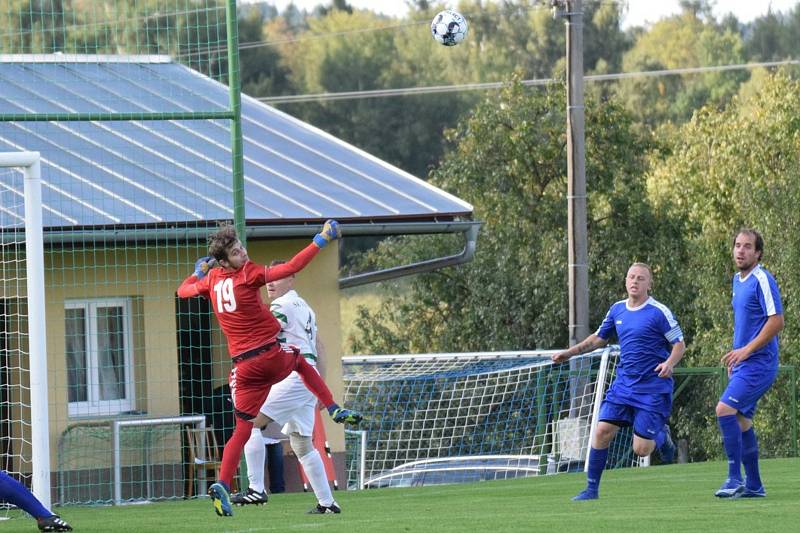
(755, 299)
(646, 335)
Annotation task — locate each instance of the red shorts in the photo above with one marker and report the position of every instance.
(251, 379)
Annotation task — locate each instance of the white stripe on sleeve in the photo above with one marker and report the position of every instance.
(763, 283)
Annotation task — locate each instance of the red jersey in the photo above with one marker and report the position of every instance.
(236, 299)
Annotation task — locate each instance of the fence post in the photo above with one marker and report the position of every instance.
(793, 408)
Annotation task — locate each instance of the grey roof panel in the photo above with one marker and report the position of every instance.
(143, 172)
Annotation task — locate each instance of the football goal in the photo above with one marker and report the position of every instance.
(23, 365)
(440, 418)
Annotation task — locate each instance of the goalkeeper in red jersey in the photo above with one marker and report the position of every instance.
(251, 331)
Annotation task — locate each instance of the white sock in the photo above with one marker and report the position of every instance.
(255, 454)
(315, 472)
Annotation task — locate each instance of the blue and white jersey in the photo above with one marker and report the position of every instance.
(755, 299)
(646, 334)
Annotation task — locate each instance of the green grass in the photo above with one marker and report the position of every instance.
(676, 498)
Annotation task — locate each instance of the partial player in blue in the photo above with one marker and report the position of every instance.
(752, 364)
(651, 344)
(15, 493)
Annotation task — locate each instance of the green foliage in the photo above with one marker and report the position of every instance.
(731, 169)
(262, 68)
(680, 42)
(508, 160)
(774, 36)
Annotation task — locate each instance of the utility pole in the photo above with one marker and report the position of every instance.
(578, 253)
(576, 179)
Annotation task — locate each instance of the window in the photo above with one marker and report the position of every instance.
(99, 357)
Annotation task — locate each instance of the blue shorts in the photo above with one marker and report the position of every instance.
(646, 424)
(746, 388)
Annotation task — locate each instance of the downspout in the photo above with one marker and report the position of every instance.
(470, 232)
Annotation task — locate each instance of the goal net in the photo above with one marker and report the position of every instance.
(440, 418)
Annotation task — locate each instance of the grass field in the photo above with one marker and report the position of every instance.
(676, 498)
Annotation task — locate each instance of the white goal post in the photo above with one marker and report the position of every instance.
(28, 162)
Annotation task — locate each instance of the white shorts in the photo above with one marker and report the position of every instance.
(292, 405)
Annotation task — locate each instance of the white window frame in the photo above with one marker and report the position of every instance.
(94, 406)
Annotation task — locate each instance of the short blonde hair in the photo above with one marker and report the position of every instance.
(645, 266)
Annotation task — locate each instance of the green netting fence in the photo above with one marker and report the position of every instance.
(134, 108)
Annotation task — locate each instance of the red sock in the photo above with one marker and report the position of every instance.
(233, 450)
(313, 381)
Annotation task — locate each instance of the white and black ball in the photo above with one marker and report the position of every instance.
(449, 27)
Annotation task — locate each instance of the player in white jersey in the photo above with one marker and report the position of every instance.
(290, 403)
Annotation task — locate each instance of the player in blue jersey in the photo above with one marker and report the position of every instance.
(651, 344)
(752, 364)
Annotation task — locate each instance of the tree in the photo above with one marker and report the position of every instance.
(678, 42)
(336, 5)
(774, 36)
(508, 159)
(262, 69)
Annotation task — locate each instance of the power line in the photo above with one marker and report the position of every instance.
(433, 89)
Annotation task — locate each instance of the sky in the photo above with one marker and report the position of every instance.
(640, 12)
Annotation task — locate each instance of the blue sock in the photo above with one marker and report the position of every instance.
(732, 442)
(332, 407)
(14, 492)
(597, 462)
(750, 458)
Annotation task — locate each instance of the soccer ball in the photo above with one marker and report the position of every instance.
(449, 27)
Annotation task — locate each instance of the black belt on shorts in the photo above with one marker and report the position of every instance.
(254, 352)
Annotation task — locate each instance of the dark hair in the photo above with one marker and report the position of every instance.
(220, 241)
(756, 235)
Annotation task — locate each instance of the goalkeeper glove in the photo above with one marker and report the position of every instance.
(203, 265)
(330, 231)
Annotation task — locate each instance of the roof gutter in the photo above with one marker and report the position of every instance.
(470, 231)
(177, 234)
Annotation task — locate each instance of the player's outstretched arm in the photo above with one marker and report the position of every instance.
(592, 342)
(330, 231)
(201, 267)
